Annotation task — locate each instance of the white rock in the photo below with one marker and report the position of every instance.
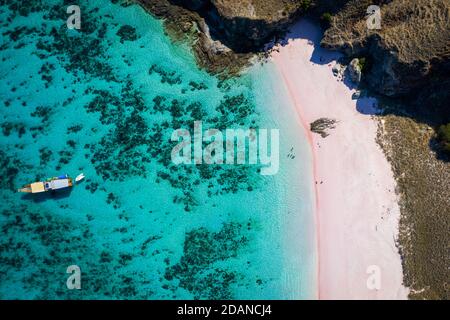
(354, 71)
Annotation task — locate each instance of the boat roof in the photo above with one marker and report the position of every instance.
(59, 184)
(37, 187)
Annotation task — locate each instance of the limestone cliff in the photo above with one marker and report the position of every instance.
(245, 25)
(411, 50)
(226, 33)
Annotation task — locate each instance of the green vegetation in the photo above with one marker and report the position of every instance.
(444, 136)
(305, 4)
(362, 63)
(422, 179)
(326, 19)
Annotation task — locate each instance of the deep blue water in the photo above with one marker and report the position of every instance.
(104, 100)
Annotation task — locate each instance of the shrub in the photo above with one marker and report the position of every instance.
(305, 4)
(326, 19)
(363, 65)
(444, 136)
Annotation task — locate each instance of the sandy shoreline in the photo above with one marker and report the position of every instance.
(357, 209)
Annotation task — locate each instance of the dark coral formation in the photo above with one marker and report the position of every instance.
(166, 77)
(202, 249)
(43, 112)
(133, 143)
(9, 168)
(57, 243)
(45, 155)
(9, 127)
(127, 33)
(45, 72)
(37, 245)
(75, 53)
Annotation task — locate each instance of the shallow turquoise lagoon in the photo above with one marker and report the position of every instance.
(104, 101)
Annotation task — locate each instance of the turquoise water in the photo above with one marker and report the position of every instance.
(104, 101)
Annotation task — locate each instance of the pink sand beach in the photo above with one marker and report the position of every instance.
(356, 207)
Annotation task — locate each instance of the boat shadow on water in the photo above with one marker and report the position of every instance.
(50, 195)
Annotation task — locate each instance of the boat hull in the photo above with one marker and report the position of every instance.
(51, 184)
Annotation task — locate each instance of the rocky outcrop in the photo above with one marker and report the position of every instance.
(185, 24)
(355, 71)
(226, 33)
(245, 25)
(322, 125)
(410, 51)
